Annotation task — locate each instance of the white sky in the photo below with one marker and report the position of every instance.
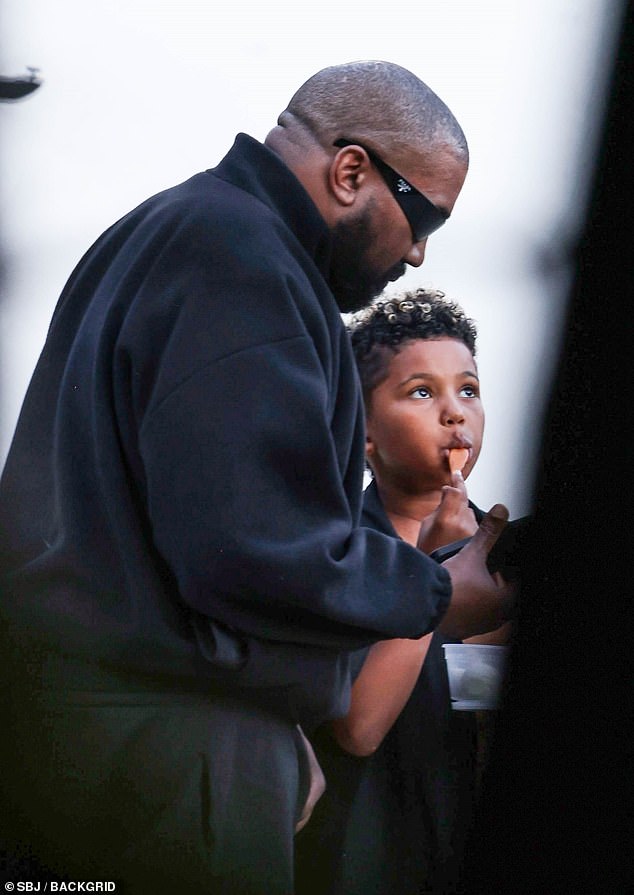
(139, 95)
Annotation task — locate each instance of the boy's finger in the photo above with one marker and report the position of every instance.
(451, 500)
(457, 481)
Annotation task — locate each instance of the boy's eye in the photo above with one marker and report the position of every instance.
(420, 392)
(469, 391)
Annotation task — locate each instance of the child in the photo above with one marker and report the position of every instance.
(400, 767)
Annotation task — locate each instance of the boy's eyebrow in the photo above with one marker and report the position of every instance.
(470, 373)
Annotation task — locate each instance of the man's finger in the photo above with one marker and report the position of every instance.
(490, 529)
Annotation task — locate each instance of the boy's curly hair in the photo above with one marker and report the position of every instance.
(381, 329)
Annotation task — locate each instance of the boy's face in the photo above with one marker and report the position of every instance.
(428, 404)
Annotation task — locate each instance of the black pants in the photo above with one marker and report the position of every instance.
(164, 793)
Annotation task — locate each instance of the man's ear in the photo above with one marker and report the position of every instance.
(349, 170)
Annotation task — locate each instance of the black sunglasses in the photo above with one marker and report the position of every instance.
(422, 215)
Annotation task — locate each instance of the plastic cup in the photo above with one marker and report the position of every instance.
(476, 672)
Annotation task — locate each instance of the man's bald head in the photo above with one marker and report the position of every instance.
(378, 104)
(389, 121)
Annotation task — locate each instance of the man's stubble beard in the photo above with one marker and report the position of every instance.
(353, 283)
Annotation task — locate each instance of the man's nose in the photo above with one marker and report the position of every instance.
(416, 254)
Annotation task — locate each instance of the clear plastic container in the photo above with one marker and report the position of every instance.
(476, 672)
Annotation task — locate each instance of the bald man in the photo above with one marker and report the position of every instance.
(183, 567)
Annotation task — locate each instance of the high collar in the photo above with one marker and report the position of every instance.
(255, 168)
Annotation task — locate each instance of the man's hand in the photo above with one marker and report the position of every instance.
(480, 601)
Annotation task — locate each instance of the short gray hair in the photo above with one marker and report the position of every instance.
(380, 104)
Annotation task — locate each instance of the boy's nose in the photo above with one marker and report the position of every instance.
(452, 414)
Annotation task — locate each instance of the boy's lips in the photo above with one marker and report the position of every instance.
(459, 443)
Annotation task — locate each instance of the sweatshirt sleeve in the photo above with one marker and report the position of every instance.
(248, 507)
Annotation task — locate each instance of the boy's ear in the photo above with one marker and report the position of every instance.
(369, 446)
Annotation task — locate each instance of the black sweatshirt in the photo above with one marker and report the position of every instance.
(181, 503)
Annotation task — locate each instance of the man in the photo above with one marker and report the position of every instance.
(183, 567)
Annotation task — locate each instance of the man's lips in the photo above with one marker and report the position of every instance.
(395, 273)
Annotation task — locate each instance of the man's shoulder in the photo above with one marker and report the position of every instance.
(204, 197)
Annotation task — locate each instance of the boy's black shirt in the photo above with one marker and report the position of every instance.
(394, 823)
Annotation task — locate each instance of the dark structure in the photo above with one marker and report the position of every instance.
(555, 812)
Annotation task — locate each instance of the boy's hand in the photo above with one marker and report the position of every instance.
(452, 520)
(480, 602)
(317, 783)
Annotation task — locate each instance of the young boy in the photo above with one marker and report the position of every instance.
(400, 767)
